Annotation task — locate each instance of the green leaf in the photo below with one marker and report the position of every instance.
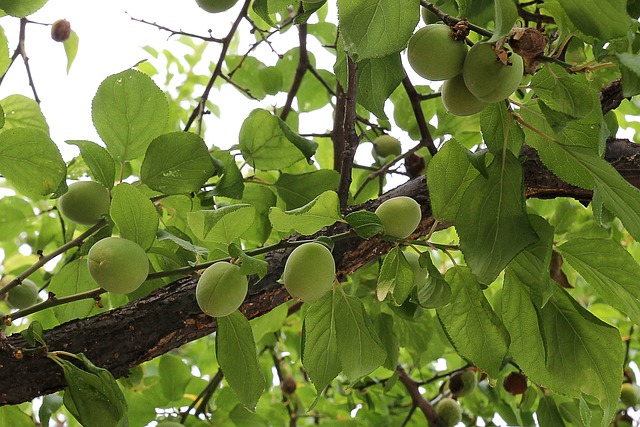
(548, 413)
(435, 291)
(246, 69)
(236, 354)
(307, 147)
(448, 176)
(376, 28)
(222, 225)
(630, 71)
(568, 93)
(589, 17)
(506, 16)
(248, 264)
(23, 8)
(384, 325)
(185, 244)
(73, 279)
(269, 323)
(33, 334)
(14, 212)
(134, 214)
(493, 225)
(261, 8)
(177, 162)
(474, 329)
(500, 130)
(71, 48)
(231, 183)
(174, 376)
(14, 417)
(298, 190)
(365, 223)
(377, 79)
(319, 344)
(30, 161)
(129, 111)
(264, 144)
(359, 348)
(98, 160)
(396, 277)
(5, 60)
(562, 333)
(23, 112)
(610, 269)
(50, 405)
(322, 211)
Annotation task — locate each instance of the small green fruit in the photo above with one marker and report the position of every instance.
(463, 383)
(434, 54)
(386, 145)
(630, 395)
(24, 295)
(85, 202)
(215, 6)
(118, 265)
(309, 272)
(221, 289)
(458, 100)
(399, 216)
(449, 411)
(487, 77)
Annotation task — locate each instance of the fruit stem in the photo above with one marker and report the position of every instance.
(451, 20)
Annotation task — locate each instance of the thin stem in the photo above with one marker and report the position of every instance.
(53, 302)
(414, 97)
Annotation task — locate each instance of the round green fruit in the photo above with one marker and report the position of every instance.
(221, 289)
(630, 395)
(118, 265)
(85, 202)
(434, 54)
(458, 100)
(386, 145)
(215, 6)
(399, 216)
(24, 295)
(463, 383)
(449, 411)
(487, 77)
(309, 272)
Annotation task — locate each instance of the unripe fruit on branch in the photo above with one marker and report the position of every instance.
(458, 100)
(309, 271)
(399, 216)
(463, 383)
(118, 265)
(215, 6)
(386, 145)
(221, 289)
(486, 74)
(515, 383)
(449, 411)
(630, 395)
(61, 30)
(85, 202)
(24, 295)
(434, 54)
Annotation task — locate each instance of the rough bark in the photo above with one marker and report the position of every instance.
(169, 317)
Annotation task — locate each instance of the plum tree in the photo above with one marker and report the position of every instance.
(309, 271)
(457, 98)
(85, 203)
(449, 411)
(487, 77)
(434, 54)
(221, 289)
(118, 265)
(386, 145)
(463, 383)
(23, 295)
(215, 6)
(399, 216)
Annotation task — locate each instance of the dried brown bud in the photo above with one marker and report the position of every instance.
(414, 164)
(527, 42)
(61, 30)
(288, 385)
(515, 383)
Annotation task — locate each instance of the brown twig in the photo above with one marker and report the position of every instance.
(417, 398)
(414, 97)
(303, 66)
(177, 32)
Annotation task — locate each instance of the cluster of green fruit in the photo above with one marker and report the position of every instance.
(117, 265)
(473, 79)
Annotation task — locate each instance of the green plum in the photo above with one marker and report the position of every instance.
(24, 295)
(118, 265)
(221, 289)
(434, 54)
(309, 271)
(85, 203)
(400, 216)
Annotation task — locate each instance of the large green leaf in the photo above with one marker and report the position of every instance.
(222, 225)
(396, 277)
(134, 214)
(500, 130)
(322, 211)
(22, 8)
(610, 269)
(30, 161)
(5, 60)
(128, 112)
(564, 92)
(98, 160)
(376, 28)
(474, 329)
(174, 376)
(562, 346)
(359, 348)
(603, 19)
(73, 279)
(237, 357)
(23, 112)
(506, 15)
(493, 224)
(298, 190)
(177, 162)
(319, 345)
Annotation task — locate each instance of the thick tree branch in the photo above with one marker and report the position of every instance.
(418, 399)
(345, 138)
(169, 317)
